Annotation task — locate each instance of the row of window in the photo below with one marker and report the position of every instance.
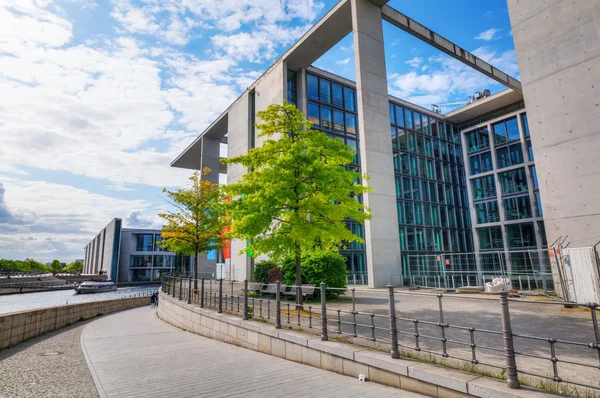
(329, 119)
(428, 169)
(407, 118)
(517, 236)
(148, 243)
(162, 261)
(407, 141)
(424, 191)
(433, 239)
(415, 213)
(328, 92)
(507, 156)
(515, 208)
(511, 182)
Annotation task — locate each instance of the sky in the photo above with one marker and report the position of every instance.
(98, 97)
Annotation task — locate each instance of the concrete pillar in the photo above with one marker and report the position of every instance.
(301, 90)
(381, 233)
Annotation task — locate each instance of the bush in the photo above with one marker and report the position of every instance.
(317, 267)
(261, 271)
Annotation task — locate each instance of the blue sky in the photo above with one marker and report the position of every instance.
(99, 96)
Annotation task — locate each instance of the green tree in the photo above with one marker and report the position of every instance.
(261, 270)
(56, 267)
(75, 266)
(300, 192)
(197, 220)
(317, 267)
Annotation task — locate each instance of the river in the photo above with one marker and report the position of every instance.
(30, 301)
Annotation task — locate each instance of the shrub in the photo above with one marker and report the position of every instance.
(317, 267)
(261, 271)
(275, 274)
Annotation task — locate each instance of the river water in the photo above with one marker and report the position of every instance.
(29, 301)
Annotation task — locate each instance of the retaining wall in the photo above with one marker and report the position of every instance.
(16, 327)
(346, 359)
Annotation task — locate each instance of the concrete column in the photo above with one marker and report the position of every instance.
(381, 232)
(301, 90)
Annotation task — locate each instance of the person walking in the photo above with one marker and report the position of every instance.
(153, 300)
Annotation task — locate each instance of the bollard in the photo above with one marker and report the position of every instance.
(202, 294)
(324, 336)
(220, 296)
(190, 291)
(393, 326)
(278, 305)
(246, 299)
(512, 380)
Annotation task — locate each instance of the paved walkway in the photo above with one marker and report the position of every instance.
(135, 354)
(51, 365)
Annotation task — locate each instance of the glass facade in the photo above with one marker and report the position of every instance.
(145, 243)
(433, 212)
(331, 108)
(505, 198)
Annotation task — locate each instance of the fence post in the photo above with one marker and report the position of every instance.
(173, 287)
(180, 286)
(324, 335)
(190, 291)
(202, 293)
(393, 325)
(278, 305)
(245, 299)
(512, 380)
(220, 296)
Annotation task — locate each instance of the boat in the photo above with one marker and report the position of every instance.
(95, 287)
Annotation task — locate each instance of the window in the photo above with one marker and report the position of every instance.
(425, 191)
(475, 163)
(405, 164)
(140, 261)
(408, 212)
(530, 150)
(420, 148)
(408, 118)
(325, 91)
(428, 149)
(520, 235)
(410, 237)
(517, 208)
(426, 124)
(509, 156)
(513, 181)
(442, 130)
(506, 130)
(516, 154)
(157, 248)
(406, 188)
(392, 113)
(402, 238)
(543, 234)
(326, 118)
(512, 129)
(398, 187)
(399, 116)
(144, 243)
(417, 117)
(354, 145)
(402, 139)
(499, 133)
(486, 162)
(351, 124)
(538, 205)
(414, 170)
(411, 142)
(418, 213)
(349, 100)
(164, 261)
(291, 87)
(338, 121)
(435, 216)
(483, 187)
(394, 136)
(400, 207)
(434, 127)
(312, 83)
(140, 275)
(534, 176)
(338, 96)
(416, 189)
(525, 124)
(490, 238)
(313, 113)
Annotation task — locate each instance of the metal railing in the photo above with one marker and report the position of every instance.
(393, 326)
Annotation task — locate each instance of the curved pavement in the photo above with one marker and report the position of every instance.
(135, 354)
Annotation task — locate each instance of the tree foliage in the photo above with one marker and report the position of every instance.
(197, 220)
(300, 192)
(317, 267)
(56, 267)
(75, 266)
(28, 265)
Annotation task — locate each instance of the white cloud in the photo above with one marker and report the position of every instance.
(61, 224)
(415, 62)
(488, 35)
(343, 61)
(443, 79)
(136, 219)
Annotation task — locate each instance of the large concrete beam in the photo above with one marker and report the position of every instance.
(381, 232)
(419, 31)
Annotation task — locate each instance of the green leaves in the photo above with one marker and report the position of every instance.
(300, 193)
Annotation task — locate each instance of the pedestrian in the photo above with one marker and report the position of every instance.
(153, 300)
(156, 299)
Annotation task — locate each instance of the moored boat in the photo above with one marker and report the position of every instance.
(96, 287)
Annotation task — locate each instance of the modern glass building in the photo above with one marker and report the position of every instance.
(128, 255)
(455, 198)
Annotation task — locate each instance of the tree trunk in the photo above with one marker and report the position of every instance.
(298, 278)
(196, 271)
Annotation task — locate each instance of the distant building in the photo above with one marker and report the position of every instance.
(128, 255)
(79, 260)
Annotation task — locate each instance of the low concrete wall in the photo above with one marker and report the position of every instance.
(17, 327)
(346, 359)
